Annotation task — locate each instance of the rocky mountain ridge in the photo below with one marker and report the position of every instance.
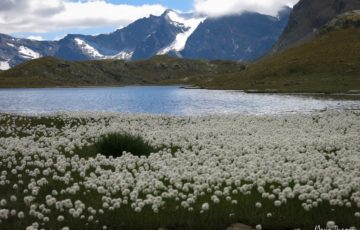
(239, 37)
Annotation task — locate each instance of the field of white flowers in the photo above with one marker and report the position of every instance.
(272, 172)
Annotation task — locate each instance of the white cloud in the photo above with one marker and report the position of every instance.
(45, 16)
(215, 8)
(37, 38)
(52, 15)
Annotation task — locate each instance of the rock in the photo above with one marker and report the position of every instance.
(307, 17)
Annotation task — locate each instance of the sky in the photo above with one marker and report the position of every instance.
(53, 19)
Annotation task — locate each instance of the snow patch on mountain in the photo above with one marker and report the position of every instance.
(95, 54)
(28, 53)
(11, 45)
(123, 55)
(190, 23)
(88, 49)
(4, 65)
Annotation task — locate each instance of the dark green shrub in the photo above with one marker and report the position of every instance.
(114, 144)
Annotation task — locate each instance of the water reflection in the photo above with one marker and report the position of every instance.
(164, 100)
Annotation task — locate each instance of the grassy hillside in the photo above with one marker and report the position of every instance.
(50, 72)
(329, 63)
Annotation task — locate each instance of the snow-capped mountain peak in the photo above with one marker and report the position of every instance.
(246, 37)
(173, 17)
(189, 21)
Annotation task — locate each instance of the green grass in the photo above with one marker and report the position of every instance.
(159, 70)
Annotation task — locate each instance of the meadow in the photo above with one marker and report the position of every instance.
(67, 171)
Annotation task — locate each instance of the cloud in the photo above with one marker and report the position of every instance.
(33, 7)
(37, 38)
(50, 16)
(214, 8)
(40, 16)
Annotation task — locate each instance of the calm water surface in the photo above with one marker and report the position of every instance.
(161, 100)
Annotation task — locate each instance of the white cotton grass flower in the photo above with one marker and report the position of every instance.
(258, 227)
(258, 205)
(60, 218)
(13, 212)
(277, 203)
(3, 202)
(20, 215)
(205, 207)
(4, 214)
(90, 218)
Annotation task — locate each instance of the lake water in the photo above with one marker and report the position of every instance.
(161, 100)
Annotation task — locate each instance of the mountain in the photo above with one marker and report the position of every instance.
(308, 16)
(14, 51)
(328, 63)
(238, 37)
(53, 72)
(140, 40)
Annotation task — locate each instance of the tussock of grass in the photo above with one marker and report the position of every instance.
(114, 144)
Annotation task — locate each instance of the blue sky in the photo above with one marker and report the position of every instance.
(53, 19)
